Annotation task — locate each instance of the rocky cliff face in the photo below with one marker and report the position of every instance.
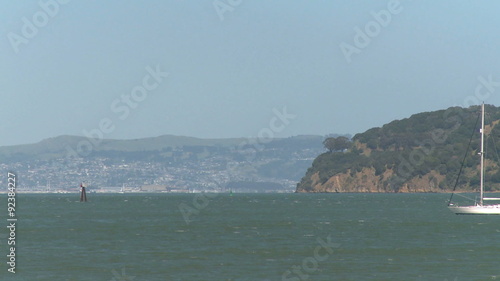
(367, 181)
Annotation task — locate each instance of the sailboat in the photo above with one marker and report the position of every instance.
(479, 208)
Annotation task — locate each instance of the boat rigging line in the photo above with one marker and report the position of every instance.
(463, 161)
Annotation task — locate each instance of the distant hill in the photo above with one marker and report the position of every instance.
(57, 147)
(422, 153)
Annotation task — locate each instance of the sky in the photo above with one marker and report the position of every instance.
(237, 68)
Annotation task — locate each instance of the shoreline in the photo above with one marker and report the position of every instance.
(291, 192)
(385, 192)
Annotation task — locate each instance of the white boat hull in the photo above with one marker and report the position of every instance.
(476, 210)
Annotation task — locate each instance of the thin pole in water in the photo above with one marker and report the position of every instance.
(83, 194)
(482, 157)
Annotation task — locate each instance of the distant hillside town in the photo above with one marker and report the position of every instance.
(164, 164)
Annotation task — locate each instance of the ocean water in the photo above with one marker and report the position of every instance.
(249, 237)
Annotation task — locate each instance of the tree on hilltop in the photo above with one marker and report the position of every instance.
(337, 144)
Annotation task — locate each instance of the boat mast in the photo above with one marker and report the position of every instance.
(482, 156)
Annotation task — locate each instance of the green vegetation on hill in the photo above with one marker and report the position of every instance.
(58, 147)
(422, 153)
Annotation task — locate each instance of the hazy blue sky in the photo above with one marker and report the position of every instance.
(233, 64)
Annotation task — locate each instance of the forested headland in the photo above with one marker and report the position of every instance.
(422, 153)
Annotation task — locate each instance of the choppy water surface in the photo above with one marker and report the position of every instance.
(250, 237)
